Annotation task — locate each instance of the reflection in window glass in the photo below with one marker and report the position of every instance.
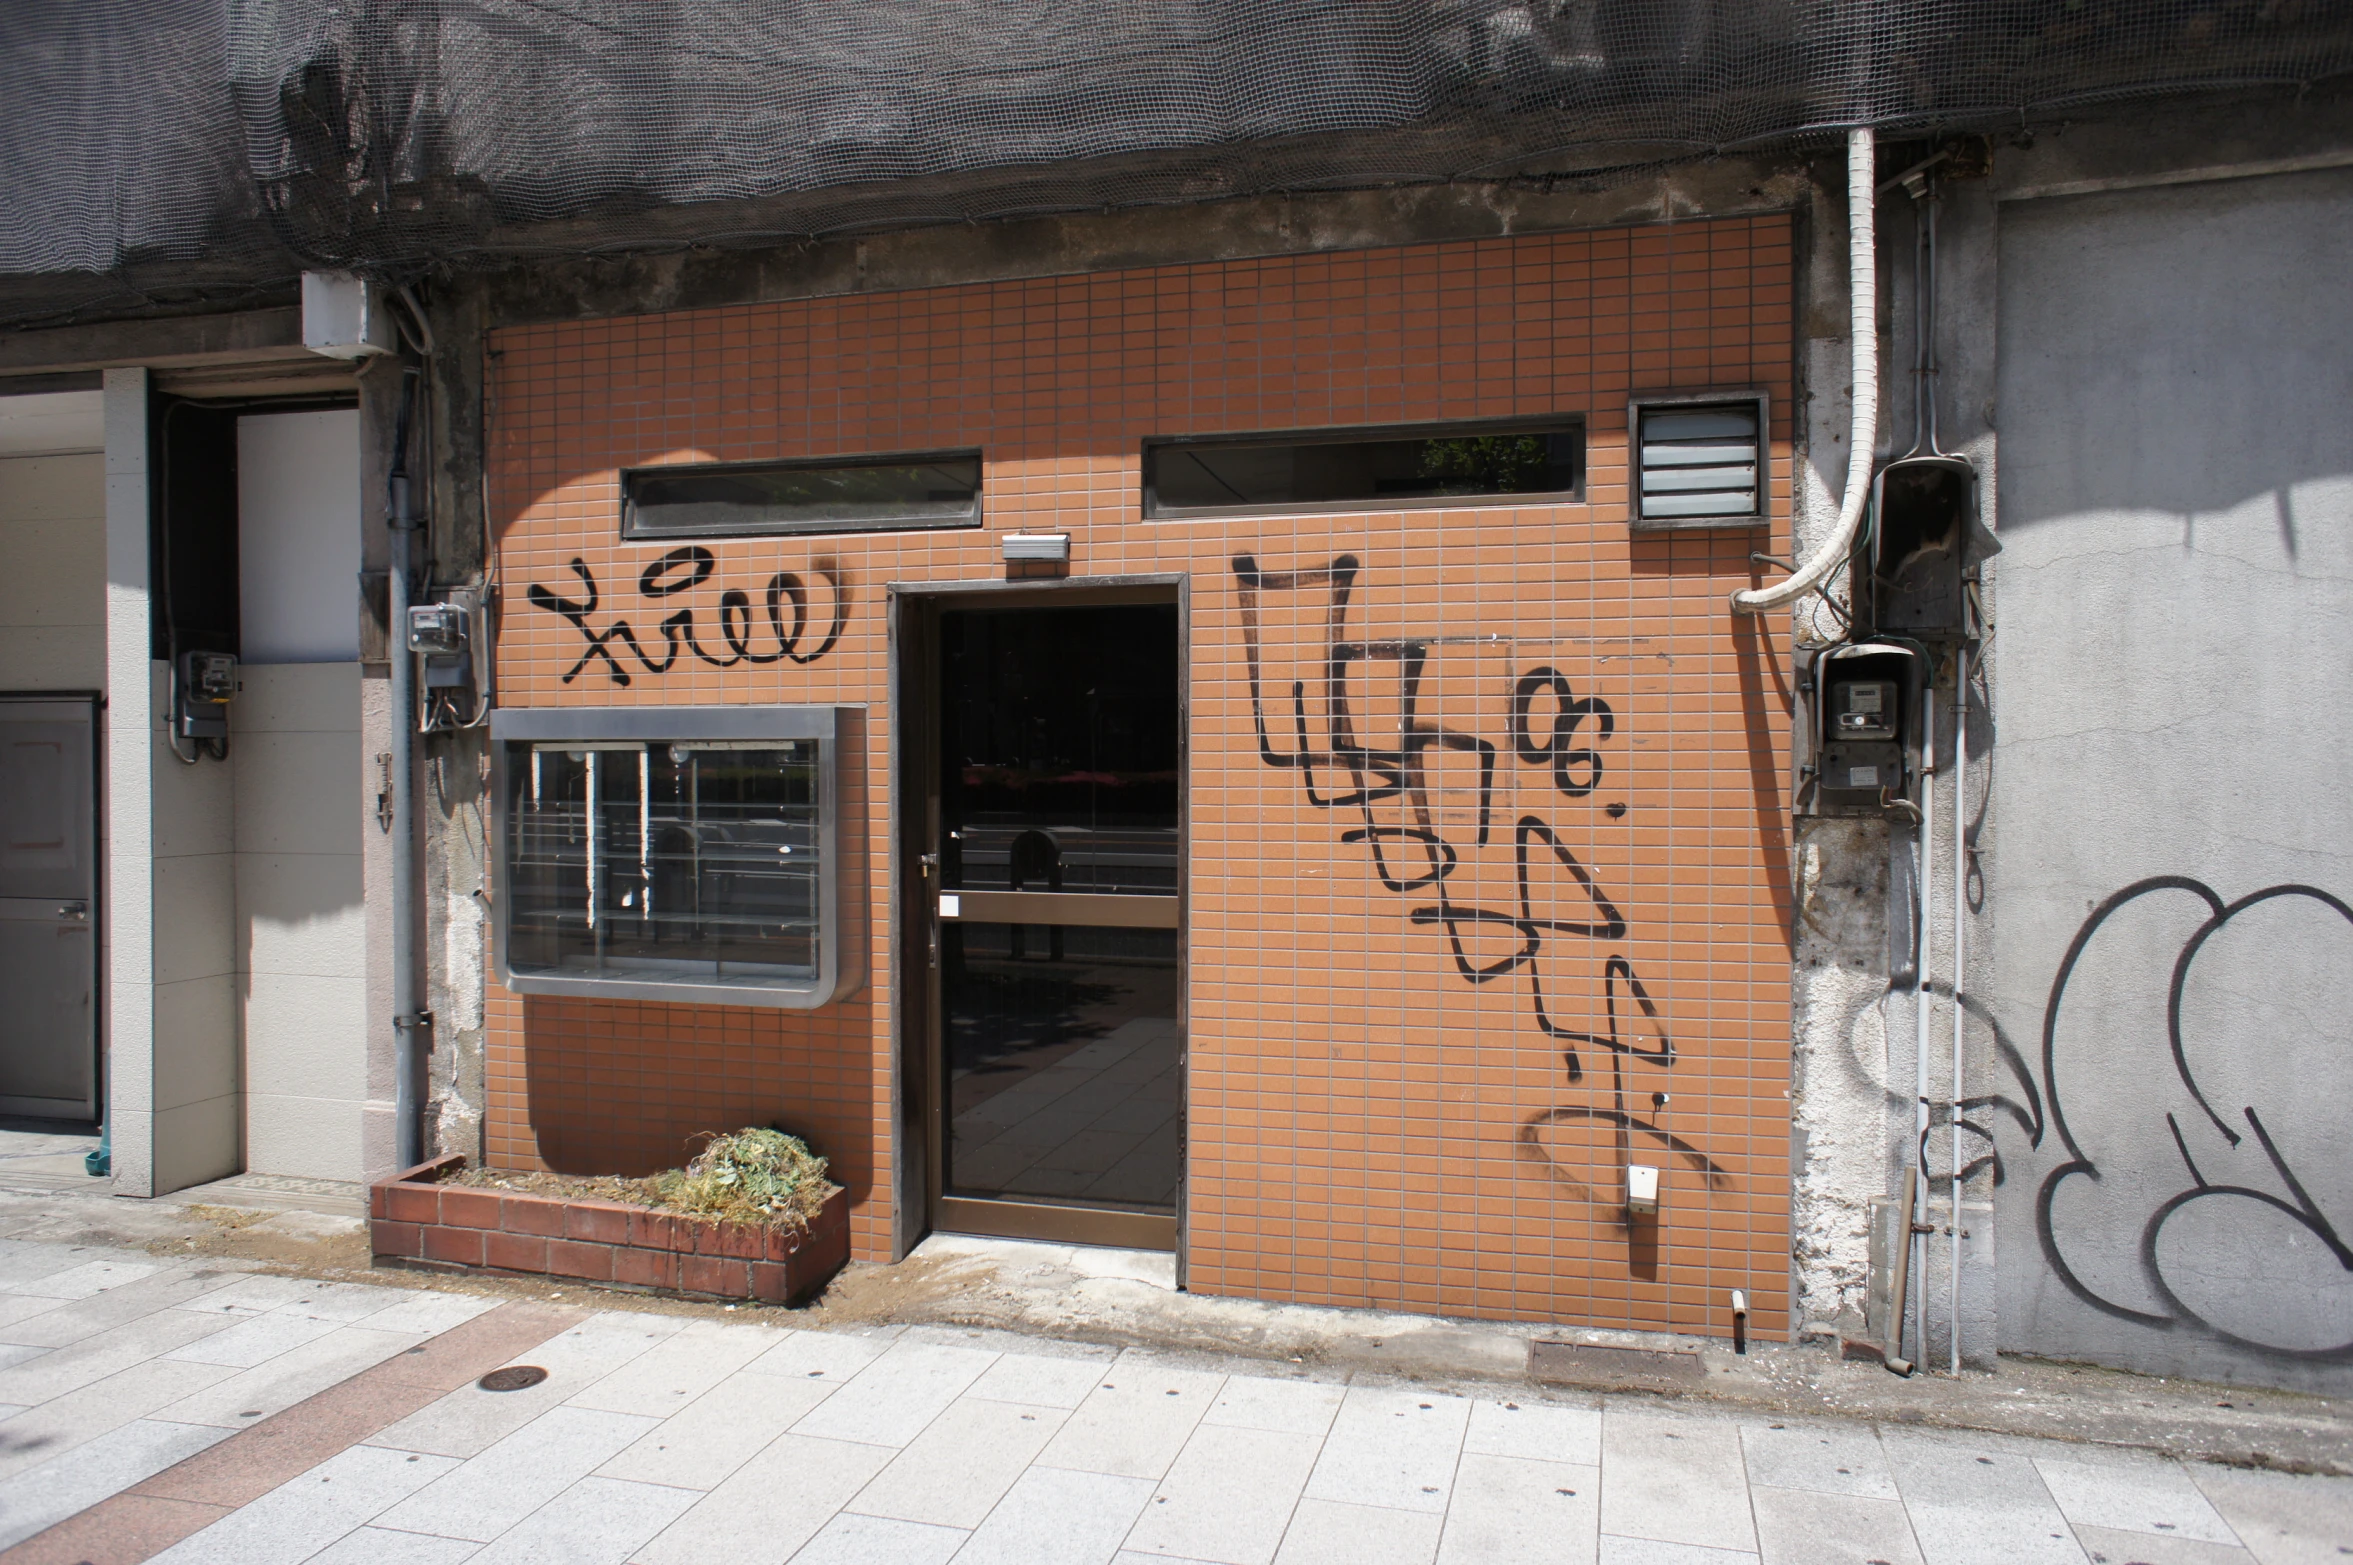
(661, 862)
(803, 497)
(1363, 468)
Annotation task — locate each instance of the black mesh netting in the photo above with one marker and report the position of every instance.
(166, 150)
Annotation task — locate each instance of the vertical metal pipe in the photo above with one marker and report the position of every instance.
(1960, 924)
(1926, 834)
(409, 1018)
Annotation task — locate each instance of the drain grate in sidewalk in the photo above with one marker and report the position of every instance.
(1602, 1368)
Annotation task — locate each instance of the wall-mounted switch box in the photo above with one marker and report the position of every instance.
(1642, 1190)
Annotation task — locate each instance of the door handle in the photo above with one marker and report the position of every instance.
(74, 910)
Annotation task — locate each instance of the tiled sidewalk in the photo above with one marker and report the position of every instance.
(190, 1413)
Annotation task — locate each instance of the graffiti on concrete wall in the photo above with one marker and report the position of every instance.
(1385, 782)
(683, 570)
(2196, 1102)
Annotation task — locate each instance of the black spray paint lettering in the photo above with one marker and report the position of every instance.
(682, 570)
(2290, 1199)
(1415, 855)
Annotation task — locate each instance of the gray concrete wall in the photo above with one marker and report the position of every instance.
(2171, 956)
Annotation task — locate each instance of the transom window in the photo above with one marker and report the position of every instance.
(1371, 469)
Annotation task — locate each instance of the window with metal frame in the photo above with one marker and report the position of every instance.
(887, 493)
(1368, 469)
(676, 861)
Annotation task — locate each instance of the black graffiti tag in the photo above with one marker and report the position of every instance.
(2150, 1152)
(1413, 855)
(682, 570)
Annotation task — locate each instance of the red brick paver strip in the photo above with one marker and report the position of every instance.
(148, 1518)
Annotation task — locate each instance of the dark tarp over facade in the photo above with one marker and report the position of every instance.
(162, 153)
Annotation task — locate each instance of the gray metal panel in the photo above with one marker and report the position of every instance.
(48, 909)
(662, 722)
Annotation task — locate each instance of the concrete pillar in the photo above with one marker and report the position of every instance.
(174, 1088)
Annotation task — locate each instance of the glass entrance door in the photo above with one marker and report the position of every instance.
(1054, 893)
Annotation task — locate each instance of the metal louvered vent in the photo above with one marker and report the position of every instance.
(1699, 462)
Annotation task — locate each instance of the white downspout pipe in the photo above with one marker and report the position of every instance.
(1960, 965)
(1862, 168)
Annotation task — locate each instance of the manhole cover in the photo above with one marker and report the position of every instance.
(1612, 1369)
(514, 1377)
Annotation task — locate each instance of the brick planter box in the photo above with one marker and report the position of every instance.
(416, 1221)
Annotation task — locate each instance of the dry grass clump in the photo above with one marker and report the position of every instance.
(748, 1176)
(751, 1176)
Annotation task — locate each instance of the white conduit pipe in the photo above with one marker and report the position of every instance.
(1925, 834)
(1862, 168)
(1960, 925)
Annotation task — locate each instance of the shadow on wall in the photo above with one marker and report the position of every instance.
(617, 1087)
(2195, 1064)
(2238, 359)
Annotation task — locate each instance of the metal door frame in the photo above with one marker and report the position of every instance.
(93, 1106)
(918, 1110)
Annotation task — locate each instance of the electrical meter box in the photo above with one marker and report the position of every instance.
(1927, 542)
(1863, 702)
(689, 854)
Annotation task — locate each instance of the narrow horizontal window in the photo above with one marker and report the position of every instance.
(1365, 469)
(1699, 463)
(864, 494)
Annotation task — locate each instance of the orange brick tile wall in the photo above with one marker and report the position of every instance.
(1391, 1101)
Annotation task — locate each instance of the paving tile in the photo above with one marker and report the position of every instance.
(891, 1400)
(878, 1540)
(1508, 1510)
(676, 1370)
(1133, 1557)
(1326, 1532)
(1535, 1431)
(2105, 1546)
(23, 1262)
(60, 1322)
(1649, 1551)
(1034, 1380)
(820, 1355)
(2149, 1495)
(253, 1295)
(1675, 1480)
(597, 1521)
(1229, 1495)
(15, 1307)
(348, 1302)
(953, 1473)
(1977, 1507)
(92, 1359)
(698, 1446)
(255, 1340)
(74, 1480)
(1058, 1517)
(35, 1435)
(1825, 1458)
(2281, 1518)
(1134, 1423)
(383, 1546)
(485, 1495)
(1808, 1527)
(277, 1384)
(79, 1282)
(1297, 1407)
(775, 1503)
(13, 1354)
(468, 1420)
(429, 1314)
(298, 1518)
(1392, 1447)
